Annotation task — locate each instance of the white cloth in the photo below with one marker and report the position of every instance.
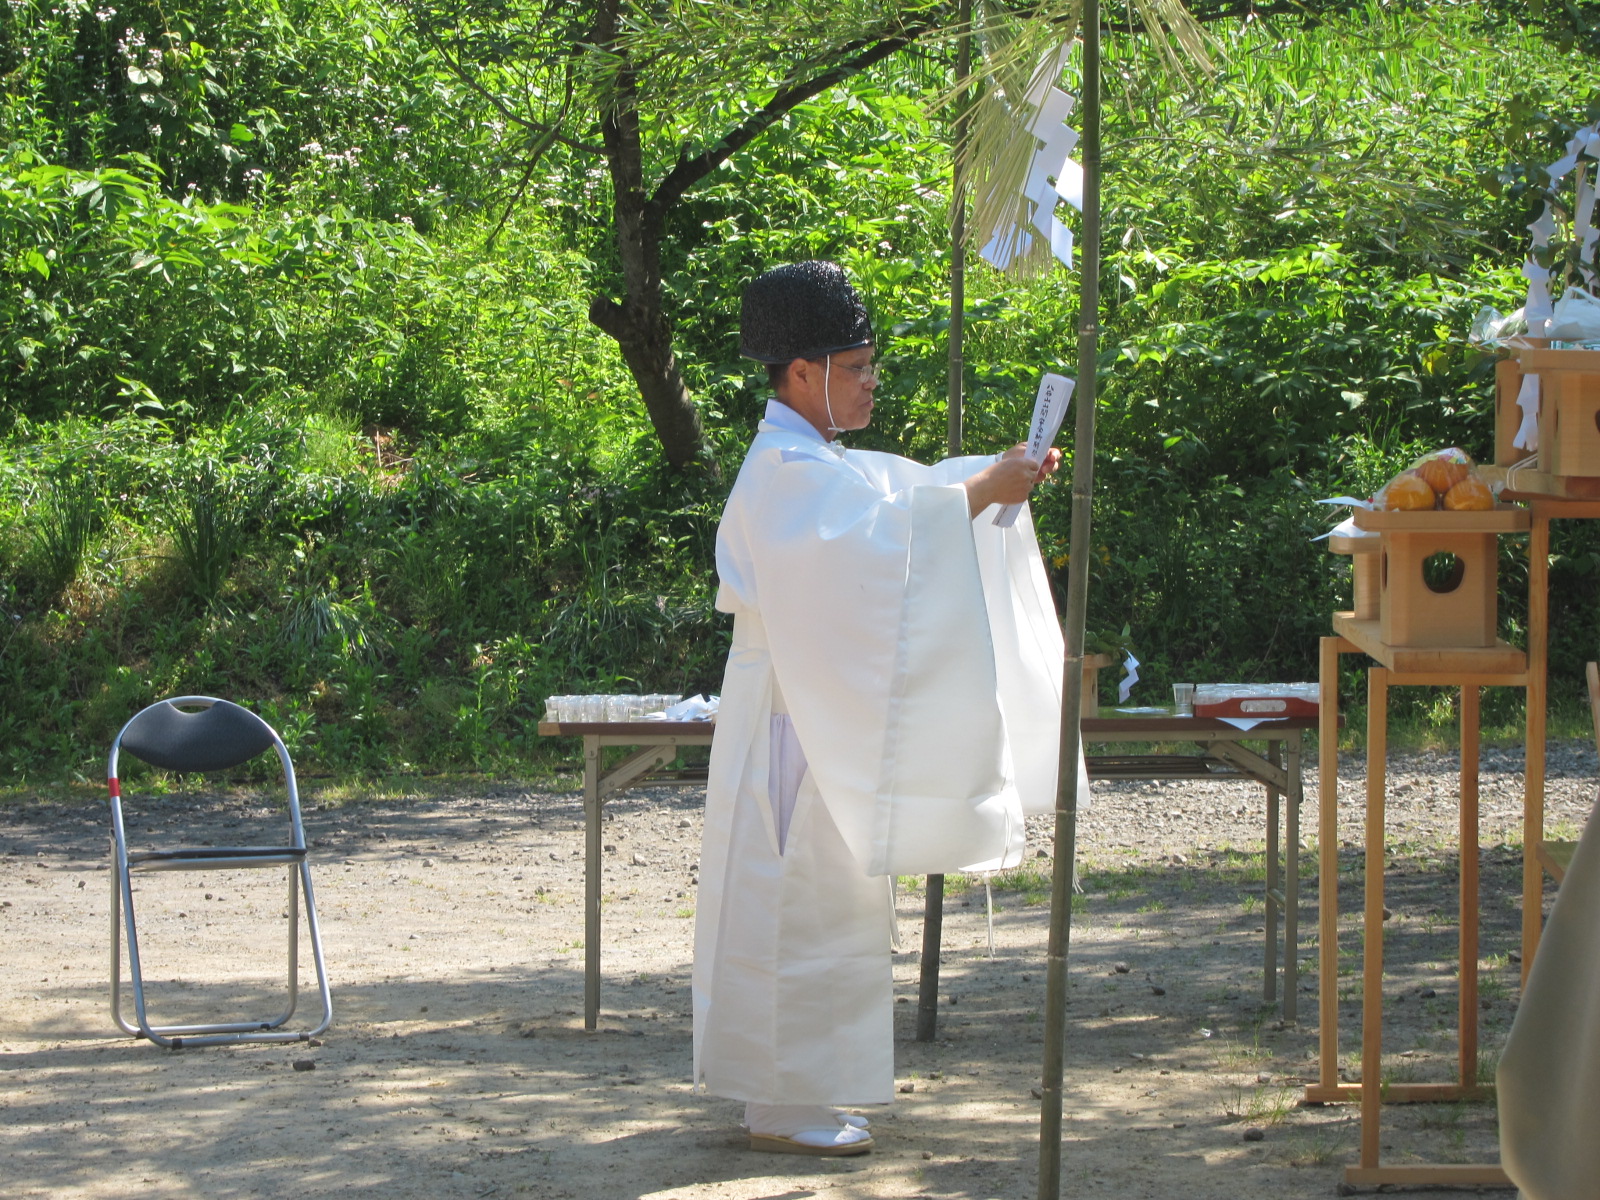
(920, 663)
(1548, 1081)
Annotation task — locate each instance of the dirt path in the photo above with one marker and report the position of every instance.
(457, 1065)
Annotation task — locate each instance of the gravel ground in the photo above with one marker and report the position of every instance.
(457, 1064)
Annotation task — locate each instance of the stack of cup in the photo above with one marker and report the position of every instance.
(610, 708)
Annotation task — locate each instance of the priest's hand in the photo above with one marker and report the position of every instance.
(1050, 465)
(1010, 480)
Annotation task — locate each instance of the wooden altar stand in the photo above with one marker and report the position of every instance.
(1469, 670)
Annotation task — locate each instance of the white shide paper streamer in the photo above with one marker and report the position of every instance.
(1131, 665)
(1538, 309)
(1052, 176)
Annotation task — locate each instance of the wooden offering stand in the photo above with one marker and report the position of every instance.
(1424, 636)
(1559, 481)
(1567, 463)
(1436, 630)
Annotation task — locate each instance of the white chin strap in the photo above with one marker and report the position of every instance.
(827, 363)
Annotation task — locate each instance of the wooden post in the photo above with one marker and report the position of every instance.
(1467, 1013)
(1291, 886)
(1533, 768)
(1328, 861)
(1269, 972)
(928, 986)
(1372, 955)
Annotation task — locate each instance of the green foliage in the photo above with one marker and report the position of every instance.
(278, 422)
(66, 518)
(207, 522)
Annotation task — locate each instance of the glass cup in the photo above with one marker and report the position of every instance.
(592, 708)
(1183, 699)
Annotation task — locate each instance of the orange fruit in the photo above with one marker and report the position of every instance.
(1469, 495)
(1445, 469)
(1408, 492)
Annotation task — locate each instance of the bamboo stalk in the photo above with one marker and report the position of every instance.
(933, 898)
(1066, 826)
(958, 234)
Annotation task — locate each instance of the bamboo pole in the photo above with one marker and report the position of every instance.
(958, 234)
(1066, 827)
(933, 897)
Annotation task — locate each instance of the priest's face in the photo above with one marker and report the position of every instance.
(833, 393)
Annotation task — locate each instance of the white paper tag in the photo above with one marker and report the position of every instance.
(1528, 400)
(1244, 723)
(1049, 407)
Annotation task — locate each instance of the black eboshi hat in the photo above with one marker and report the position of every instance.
(803, 310)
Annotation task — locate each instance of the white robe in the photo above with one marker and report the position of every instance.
(1548, 1081)
(919, 657)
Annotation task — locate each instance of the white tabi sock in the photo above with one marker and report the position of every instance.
(808, 1124)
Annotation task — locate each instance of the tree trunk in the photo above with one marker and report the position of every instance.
(639, 324)
(641, 329)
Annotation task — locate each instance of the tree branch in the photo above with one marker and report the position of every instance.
(459, 70)
(1210, 11)
(859, 55)
(535, 152)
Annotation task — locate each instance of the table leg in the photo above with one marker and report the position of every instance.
(1328, 863)
(932, 933)
(1467, 1013)
(1372, 882)
(591, 882)
(1291, 886)
(1269, 973)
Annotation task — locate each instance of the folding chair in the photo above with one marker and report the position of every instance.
(214, 736)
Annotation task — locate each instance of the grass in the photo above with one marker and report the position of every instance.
(1317, 1151)
(1033, 882)
(1234, 1056)
(1488, 1064)
(1263, 1105)
(1567, 719)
